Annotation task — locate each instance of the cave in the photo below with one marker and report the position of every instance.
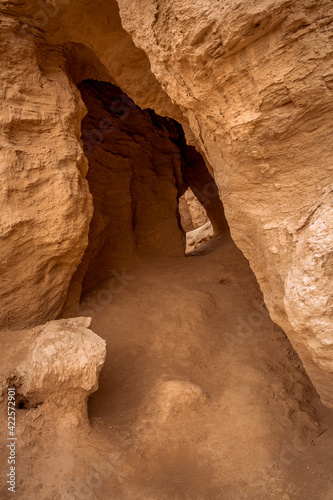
(166, 250)
(139, 168)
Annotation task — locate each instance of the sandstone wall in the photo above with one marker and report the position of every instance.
(202, 183)
(185, 214)
(45, 203)
(198, 213)
(192, 213)
(134, 176)
(255, 81)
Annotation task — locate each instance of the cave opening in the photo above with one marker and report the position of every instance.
(146, 182)
(201, 395)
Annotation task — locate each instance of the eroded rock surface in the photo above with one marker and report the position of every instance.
(135, 176)
(44, 199)
(251, 83)
(197, 237)
(202, 183)
(192, 213)
(54, 368)
(56, 365)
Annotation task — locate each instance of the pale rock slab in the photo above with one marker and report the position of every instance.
(199, 236)
(55, 367)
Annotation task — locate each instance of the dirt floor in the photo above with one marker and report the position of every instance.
(201, 397)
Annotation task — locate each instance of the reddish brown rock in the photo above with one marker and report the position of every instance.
(134, 177)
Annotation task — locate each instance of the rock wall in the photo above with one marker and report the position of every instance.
(254, 80)
(44, 199)
(202, 183)
(192, 213)
(199, 214)
(185, 214)
(135, 175)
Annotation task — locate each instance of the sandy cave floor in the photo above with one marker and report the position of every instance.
(201, 397)
(202, 392)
